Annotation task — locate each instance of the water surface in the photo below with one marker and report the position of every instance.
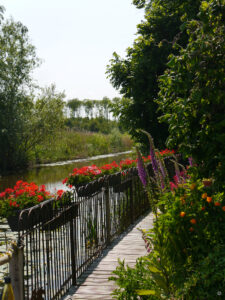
(52, 174)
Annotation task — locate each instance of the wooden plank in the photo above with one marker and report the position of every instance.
(94, 282)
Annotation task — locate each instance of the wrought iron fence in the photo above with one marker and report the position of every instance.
(61, 238)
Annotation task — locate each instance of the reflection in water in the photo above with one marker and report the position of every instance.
(52, 174)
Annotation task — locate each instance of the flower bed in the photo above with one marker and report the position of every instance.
(21, 196)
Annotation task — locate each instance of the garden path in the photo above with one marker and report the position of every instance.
(94, 284)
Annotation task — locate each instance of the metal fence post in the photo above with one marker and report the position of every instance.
(16, 272)
(73, 259)
(132, 200)
(108, 219)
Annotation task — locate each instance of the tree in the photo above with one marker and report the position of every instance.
(17, 60)
(192, 90)
(45, 120)
(106, 104)
(88, 107)
(136, 76)
(74, 105)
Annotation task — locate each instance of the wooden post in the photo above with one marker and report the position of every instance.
(108, 219)
(16, 272)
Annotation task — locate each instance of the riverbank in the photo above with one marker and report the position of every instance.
(70, 145)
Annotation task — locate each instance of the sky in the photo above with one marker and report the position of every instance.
(76, 39)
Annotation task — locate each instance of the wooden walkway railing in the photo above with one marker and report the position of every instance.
(94, 283)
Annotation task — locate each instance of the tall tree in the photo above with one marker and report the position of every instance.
(192, 90)
(136, 76)
(74, 105)
(88, 108)
(17, 60)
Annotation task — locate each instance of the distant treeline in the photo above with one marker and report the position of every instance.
(91, 108)
(91, 115)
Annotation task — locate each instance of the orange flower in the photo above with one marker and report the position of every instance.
(192, 186)
(223, 208)
(217, 203)
(209, 199)
(182, 214)
(193, 221)
(191, 229)
(204, 196)
(203, 208)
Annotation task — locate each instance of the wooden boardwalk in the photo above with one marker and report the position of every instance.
(94, 284)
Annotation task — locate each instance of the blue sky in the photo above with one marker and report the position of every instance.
(76, 39)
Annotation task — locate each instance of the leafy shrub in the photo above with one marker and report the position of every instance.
(192, 92)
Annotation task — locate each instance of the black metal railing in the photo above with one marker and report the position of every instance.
(61, 238)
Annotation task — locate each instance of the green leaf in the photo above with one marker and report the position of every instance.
(154, 269)
(145, 292)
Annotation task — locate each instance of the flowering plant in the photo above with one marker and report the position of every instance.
(87, 174)
(83, 175)
(22, 195)
(110, 168)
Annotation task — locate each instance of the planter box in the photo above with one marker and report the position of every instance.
(27, 218)
(90, 189)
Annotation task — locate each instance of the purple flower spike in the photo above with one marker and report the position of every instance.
(190, 160)
(153, 160)
(162, 169)
(141, 169)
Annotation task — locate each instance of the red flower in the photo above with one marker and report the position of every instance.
(60, 192)
(42, 188)
(2, 195)
(8, 191)
(40, 198)
(65, 180)
(31, 194)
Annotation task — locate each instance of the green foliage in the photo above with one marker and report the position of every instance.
(66, 144)
(98, 124)
(136, 76)
(192, 91)
(186, 245)
(91, 108)
(25, 121)
(128, 280)
(17, 60)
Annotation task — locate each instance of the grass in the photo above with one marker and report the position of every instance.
(68, 144)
